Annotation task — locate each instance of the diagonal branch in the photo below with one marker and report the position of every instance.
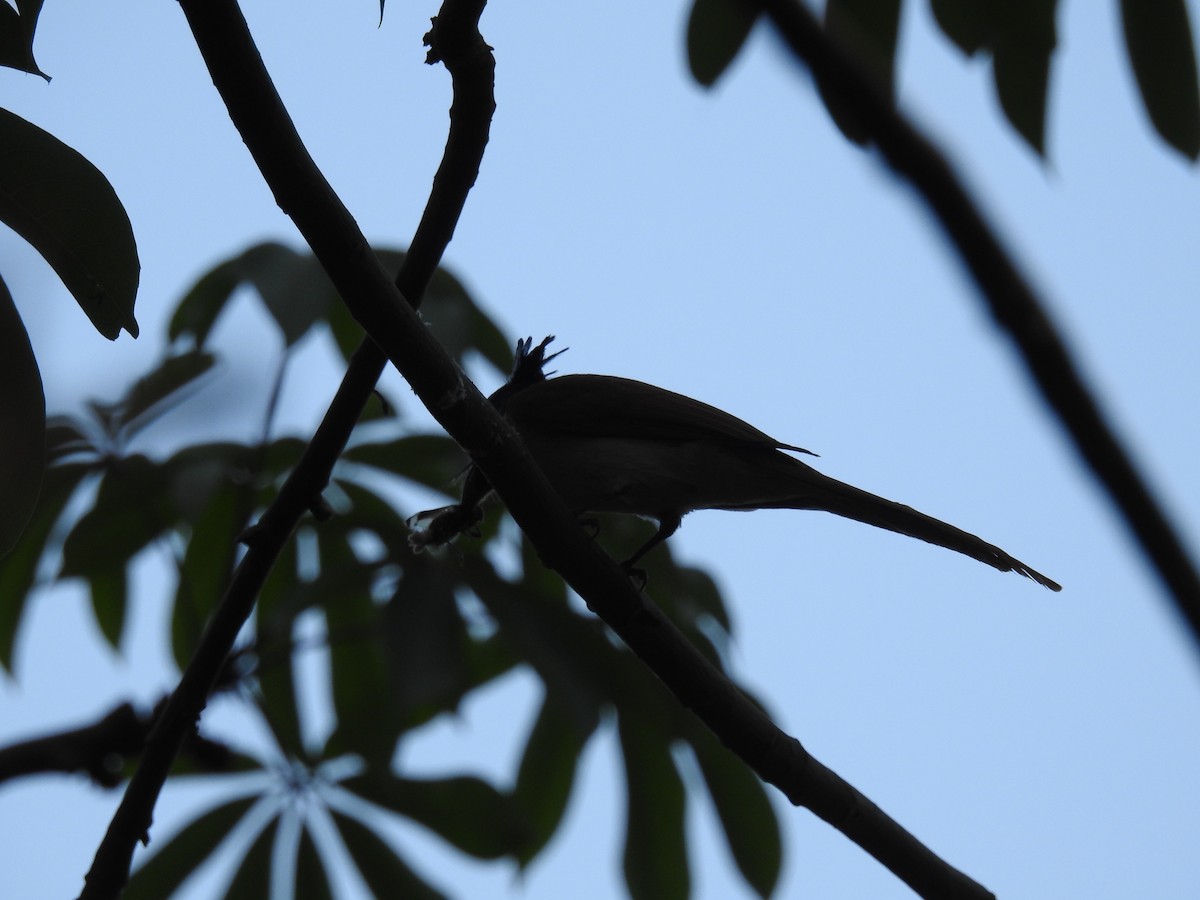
(1007, 292)
(300, 190)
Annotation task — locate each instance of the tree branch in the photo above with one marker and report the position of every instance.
(95, 749)
(1009, 296)
(466, 415)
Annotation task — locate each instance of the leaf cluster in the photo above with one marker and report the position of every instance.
(407, 638)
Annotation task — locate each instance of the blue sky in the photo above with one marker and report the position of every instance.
(731, 246)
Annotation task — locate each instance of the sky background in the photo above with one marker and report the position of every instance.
(729, 245)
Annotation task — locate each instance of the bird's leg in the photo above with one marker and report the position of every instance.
(667, 526)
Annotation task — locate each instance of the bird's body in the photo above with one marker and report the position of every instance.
(613, 445)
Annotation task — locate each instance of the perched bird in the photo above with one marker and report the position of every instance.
(613, 445)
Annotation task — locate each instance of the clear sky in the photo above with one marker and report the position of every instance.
(731, 246)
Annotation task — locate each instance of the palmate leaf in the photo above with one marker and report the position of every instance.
(464, 811)
(252, 878)
(22, 425)
(312, 880)
(62, 205)
(18, 570)
(655, 857)
(153, 394)
(385, 873)
(173, 862)
(750, 826)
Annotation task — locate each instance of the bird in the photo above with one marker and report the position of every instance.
(614, 445)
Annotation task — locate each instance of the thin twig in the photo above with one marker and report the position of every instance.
(1010, 298)
(471, 66)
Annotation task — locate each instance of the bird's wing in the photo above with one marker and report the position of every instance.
(606, 406)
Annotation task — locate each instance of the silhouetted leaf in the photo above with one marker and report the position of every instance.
(16, 36)
(22, 425)
(385, 873)
(132, 508)
(465, 811)
(312, 881)
(197, 312)
(65, 208)
(716, 32)
(19, 568)
(65, 437)
(252, 879)
(429, 459)
(1021, 36)
(1158, 37)
(655, 856)
(547, 774)
(747, 818)
(108, 591)
(277, 610)
(156, 393)
(174, 861)
(868, 29)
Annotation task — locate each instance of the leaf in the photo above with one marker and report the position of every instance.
(275, 628)
(1021, 36)
(751, 828)
(158, 391)
(312, 881)
(655, 856)
(547, 774)
(65, 208)
(252, 879)
(22, 425)
(293, 287)
(465, 811)
(1158, 37)
(132, 508)
(716, 32)
(16, 36)
(19, 569)
(385, 873)
(65, 437)
(174, 861)
(868, 29)
(198, 310)
(108, 589)
(429, 459)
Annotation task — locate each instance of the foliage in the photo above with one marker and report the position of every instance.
(408, 637)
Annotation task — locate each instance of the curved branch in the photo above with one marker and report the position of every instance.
(1010, 298)
(458, 44)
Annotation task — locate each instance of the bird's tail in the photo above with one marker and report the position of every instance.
(829, 494)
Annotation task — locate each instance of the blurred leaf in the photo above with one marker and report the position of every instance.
(207, 565)
(716, 32)
(198, 310)
(252, 879)
(65, 437)
(65, 208)
(547, 774)
(312, 881)
(156, 393)
(22, 425)
(275, 629)
(1158, 37)
(655, 857)
(108, 590)
(749, 822)
(429, 459)
(293, 287)
(385, 873)
(132, 508)
(868, 29)
(426, 645)
(19, 568)
(16, 36)
(1021, 36)
(368, 718)
(465, 811)
(174, 861)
